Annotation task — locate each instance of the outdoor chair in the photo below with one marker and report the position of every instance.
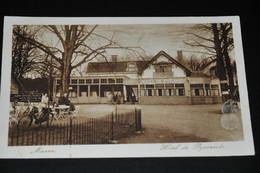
(13, 116)
(75, 112)
(20, 103)
(63, 111)
(55, 113)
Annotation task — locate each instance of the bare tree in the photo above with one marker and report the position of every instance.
(195, 63)
(23, 53)
(216, 40)
(69, 46)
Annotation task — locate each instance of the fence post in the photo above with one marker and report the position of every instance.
(70, 133)
(138, 120)
(112, 127)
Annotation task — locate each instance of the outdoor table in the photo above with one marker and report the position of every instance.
(62, 111)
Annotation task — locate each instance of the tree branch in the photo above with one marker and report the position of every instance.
(81, 41)
(39, 45)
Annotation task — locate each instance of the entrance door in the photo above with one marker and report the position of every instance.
(131, 90)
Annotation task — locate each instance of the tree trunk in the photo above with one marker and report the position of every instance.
(230, 74)
(220, 64)
(65, 73)
(229, 67)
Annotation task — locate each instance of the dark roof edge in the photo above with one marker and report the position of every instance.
(17, 80)
(116, 62)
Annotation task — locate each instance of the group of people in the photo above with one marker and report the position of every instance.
(45, 102)
(114, 98)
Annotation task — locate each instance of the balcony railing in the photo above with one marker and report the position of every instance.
(162, 74)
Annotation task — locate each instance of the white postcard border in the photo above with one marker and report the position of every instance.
(213, 149)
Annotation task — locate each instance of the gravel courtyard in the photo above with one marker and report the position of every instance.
(173, 123)
(169, 123)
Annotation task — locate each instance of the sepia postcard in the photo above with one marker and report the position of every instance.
(107, 87)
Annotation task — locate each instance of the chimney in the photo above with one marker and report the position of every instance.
(114, 57)
(179, 56)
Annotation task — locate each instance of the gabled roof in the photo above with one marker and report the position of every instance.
(114, 66)
(121, 66)
(188, 72)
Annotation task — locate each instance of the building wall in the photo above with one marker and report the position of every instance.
(177, 72)
(164, 100)
(148, 73)
(130, 75)
(196, 100)
(181, 100)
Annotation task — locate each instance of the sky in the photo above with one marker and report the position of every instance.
(152, 38)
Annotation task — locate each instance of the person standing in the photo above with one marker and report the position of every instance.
(133, 98)
(44, 100)
(44, 103)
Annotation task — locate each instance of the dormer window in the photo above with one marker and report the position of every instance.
(131, 66)
(163, 69)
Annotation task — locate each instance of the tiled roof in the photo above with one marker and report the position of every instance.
(121, 66)
(115, 66)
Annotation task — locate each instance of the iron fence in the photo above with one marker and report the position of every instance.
(103, 130)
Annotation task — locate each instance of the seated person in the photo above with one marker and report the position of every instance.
(63, 100)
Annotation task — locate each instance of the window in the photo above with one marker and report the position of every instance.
(88, 80)
(169, 89)
(159, 89)
(207, 90)
(149, 86)
(214, 90)
(179, 89)
(83, 90)
(74, 81)
(110, 80)
(169, 92)
(142, 86)
(94, 91)
(160, 92)
(119, 80)
(159, 86)
(197, 89)
(179, 92)
(81, 81)
(58, 81)
(103, 80)
(169, 85)
(162, 68)
(104, 90)
(142, 92)
(150, 92)
(95, 80)
(131, 67)
(214, 86)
